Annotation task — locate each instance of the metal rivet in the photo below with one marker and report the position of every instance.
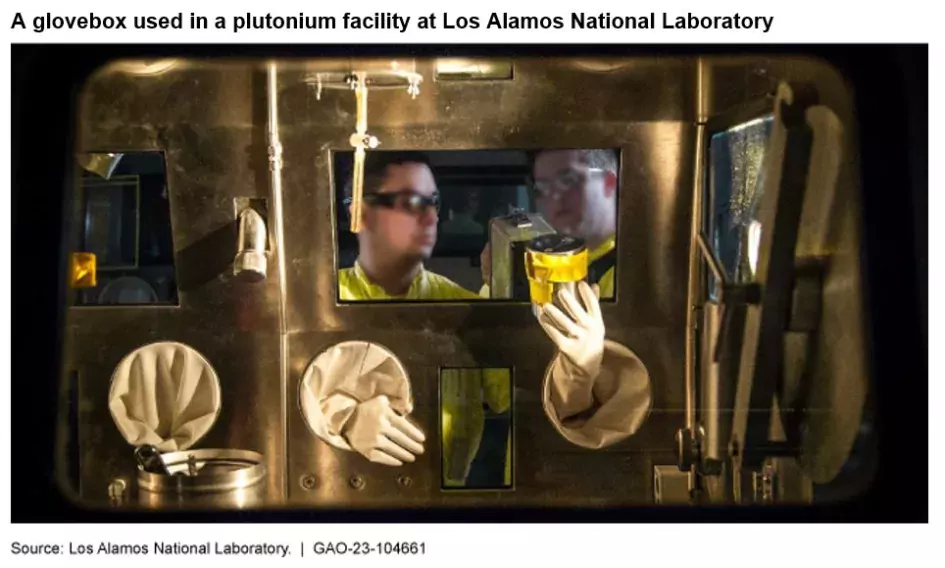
(308, 482)
(356, 482)
(404, 481)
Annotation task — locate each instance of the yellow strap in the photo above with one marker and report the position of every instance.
(602, 249)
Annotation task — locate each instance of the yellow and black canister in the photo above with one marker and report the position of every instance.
(554, 262)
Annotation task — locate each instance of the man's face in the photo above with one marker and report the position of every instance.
(567, 190)
(401, 230)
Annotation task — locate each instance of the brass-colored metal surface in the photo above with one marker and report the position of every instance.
(715, 396)
(588, 110)
(212, 122)
(739, 89)
(278, 232)
(653, 174)
(695, 283)
(670, 486)
(839, 375)
(253, 497)
(732, 82)
(471, 69)
(548, 470)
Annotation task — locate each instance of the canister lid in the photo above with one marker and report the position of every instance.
(204, 471)
(556, 244)
(551, 259)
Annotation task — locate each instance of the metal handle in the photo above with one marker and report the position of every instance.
(715, 265)
(251, 262)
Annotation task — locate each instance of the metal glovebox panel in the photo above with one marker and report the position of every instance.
(649, 314)
(209, 119)
(546, 468)
(205, 119)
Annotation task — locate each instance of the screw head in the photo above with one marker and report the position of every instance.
(404, 481)
(308, 482)
(356, 482)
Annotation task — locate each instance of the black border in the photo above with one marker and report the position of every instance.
(891, 90)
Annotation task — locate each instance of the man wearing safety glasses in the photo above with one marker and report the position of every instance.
(576, 192)
(398, 233)
(597, 392)
(399, 219)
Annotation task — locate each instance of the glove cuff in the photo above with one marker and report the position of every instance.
(338, 408)
(578, 372)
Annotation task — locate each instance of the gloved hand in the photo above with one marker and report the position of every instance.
(381, 435)
(579, 335)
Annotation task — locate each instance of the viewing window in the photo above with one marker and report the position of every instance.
(126, 224)
(476, 428)
(734, 192)
(435, 208)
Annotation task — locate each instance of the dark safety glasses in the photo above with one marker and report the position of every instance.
(406, 200)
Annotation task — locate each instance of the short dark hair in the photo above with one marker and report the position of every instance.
(603, 158)
(376, 163)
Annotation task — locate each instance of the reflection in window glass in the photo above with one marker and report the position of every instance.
(476, 428)
(473, 186)
(426, 217)
(734, 190)
(126, 223)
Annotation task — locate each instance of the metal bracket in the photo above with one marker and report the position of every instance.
(731, 294)
(786, 168)
(687, 450)
(806, 295)
(749, 324)
(670, 486)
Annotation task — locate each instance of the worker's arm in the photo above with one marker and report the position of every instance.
(579, 336)
(596, 392)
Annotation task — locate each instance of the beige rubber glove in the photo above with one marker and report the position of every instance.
(164, 394)
(596, 392)
(579, 334)
(379, 433)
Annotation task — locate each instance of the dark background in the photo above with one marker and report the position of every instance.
(891, 86)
